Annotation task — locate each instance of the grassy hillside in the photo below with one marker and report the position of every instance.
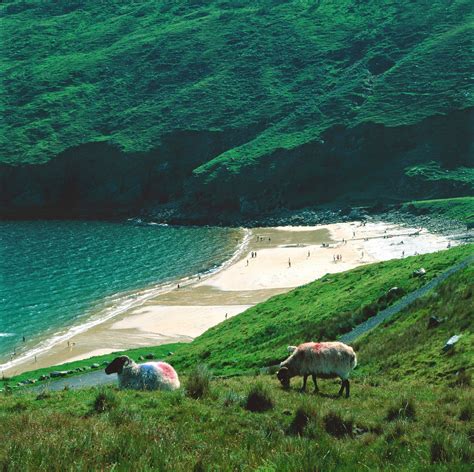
(320, 310)
(457, 209)
(281, 71)
(410, 407)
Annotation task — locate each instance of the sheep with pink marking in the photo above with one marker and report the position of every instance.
(324, 360)
(147, 376)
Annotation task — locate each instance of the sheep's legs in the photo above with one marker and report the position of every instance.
(344, 385)
(303, 388)
(316, 389)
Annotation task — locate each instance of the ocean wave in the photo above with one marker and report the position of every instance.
(6, 335)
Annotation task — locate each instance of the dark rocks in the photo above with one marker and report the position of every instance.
(421, 272)
(58, 373)
(150, 356)
(395, 292)
(434, 321)
(451, 342)
(44, 377)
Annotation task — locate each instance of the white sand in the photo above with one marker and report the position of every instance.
(178, 320)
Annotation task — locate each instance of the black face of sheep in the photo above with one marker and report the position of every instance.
(283, 376)
(116, 366)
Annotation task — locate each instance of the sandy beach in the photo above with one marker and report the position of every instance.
(273, 261)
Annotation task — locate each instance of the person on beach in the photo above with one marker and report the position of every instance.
(24, 339)
(309, 253)
(247, 262)
(178, 286)
(226, 316)
(289, 263)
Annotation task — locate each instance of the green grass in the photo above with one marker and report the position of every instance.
(282, 73)
(457, 209)
(410, 406)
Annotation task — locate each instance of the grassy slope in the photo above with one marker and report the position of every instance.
(283, 72)
(400, 364)
(320, 310)
(457, 209)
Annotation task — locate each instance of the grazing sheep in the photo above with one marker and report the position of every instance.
(325, 360)
(148, 376)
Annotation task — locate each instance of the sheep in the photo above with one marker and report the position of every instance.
(148, 376)
(325, 360)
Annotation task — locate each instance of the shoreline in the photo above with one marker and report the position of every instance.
(286, 257)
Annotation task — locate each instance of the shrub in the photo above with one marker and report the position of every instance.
(403, 410)
(258, 399)
(301, 419)
(105, 401)
(198, 382)
(336, 426)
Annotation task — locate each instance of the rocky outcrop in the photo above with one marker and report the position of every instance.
(364, 165)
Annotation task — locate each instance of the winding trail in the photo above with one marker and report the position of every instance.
(407, 300)
(97, 378)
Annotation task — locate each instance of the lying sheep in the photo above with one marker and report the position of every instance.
(325, 360)
(148, 376)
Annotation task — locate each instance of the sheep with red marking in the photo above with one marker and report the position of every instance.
(324, 360)
(147, 376)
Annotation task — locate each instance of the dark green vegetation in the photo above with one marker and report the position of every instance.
(410, 408)
(457, 209)
(230, 105)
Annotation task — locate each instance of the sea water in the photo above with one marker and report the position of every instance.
(57, 276)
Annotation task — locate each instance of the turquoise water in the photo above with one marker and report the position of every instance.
(57, 274)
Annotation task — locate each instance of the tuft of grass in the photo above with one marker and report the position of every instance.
(44, 395)
(336, 426)
(198, 382)
(259, 399)
(404, 409)
(438, 452)
(231, 398)
(106, 400)
(303, 415)
(466, 412)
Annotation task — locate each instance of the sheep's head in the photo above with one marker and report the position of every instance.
(117, 365)
(283, 376)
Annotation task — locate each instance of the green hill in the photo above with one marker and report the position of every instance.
(410, 406)
(232, 106)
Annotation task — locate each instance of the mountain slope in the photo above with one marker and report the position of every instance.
(265, 99)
